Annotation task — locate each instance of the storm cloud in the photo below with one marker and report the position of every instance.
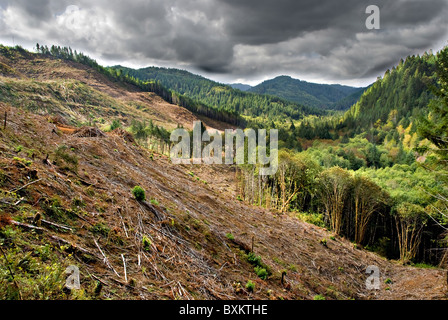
(235, 40)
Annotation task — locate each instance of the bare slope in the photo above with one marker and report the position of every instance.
(82, 94)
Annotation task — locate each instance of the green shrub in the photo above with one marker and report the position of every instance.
(115, 125)
(319, 297)
(25, 162)
(139, 193)
(254, 259)
(313, 218)
(230, 236)
(250, 286)
(261, 272)
(323, 242)
(146, 242)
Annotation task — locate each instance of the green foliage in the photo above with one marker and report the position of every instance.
(261, 272)
(139, 193)
(78, 203)
(146, 242)
(319, 297)
(115, 125)
(230, 236)
(214, 97)
(434, 127)
(406, 86)
(24, 162)
(254, 259)
(310, 94)
(30, 270)
(250, 286)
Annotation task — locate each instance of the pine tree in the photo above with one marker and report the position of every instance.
(435, 126)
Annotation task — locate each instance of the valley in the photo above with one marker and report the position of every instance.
(77, 139)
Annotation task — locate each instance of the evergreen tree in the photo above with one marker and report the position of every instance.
(435, 126)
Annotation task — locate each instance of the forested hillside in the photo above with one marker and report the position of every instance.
(334, 97)
(220, 96)
(376, 174)
(401, 95)
(84, 181)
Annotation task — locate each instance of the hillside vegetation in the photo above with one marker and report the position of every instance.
(376, 174)
(84, 182)
(216, 95)
(322, 96)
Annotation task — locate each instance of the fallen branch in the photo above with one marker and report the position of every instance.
(27, 226)
(105, 260)
(75, 246)
(56, 225)
(124, 265)
(121, 283)
(98, 279)
(10, 203)
(23, 187)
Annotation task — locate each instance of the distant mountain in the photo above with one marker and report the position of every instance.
(221, 96)
(322, 96)
(240, 86)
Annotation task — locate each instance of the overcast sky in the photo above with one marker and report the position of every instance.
(235, 40)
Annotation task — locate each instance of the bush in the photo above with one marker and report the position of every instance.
(250, 286)
(146, 242)
(139, 193)
(230, 236)
(115, 125)
(319, 297)
(323, 242)
(313, 218)
(261, 272)
(254, 259)
(25, 162)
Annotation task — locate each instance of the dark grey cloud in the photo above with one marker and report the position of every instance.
(264, 21)
(239, 39)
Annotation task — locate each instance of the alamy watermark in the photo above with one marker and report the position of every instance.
(373, 280)
(373, 20)
(72, 282)
(240, 147)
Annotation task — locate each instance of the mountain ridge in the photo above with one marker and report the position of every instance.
(324, 96)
